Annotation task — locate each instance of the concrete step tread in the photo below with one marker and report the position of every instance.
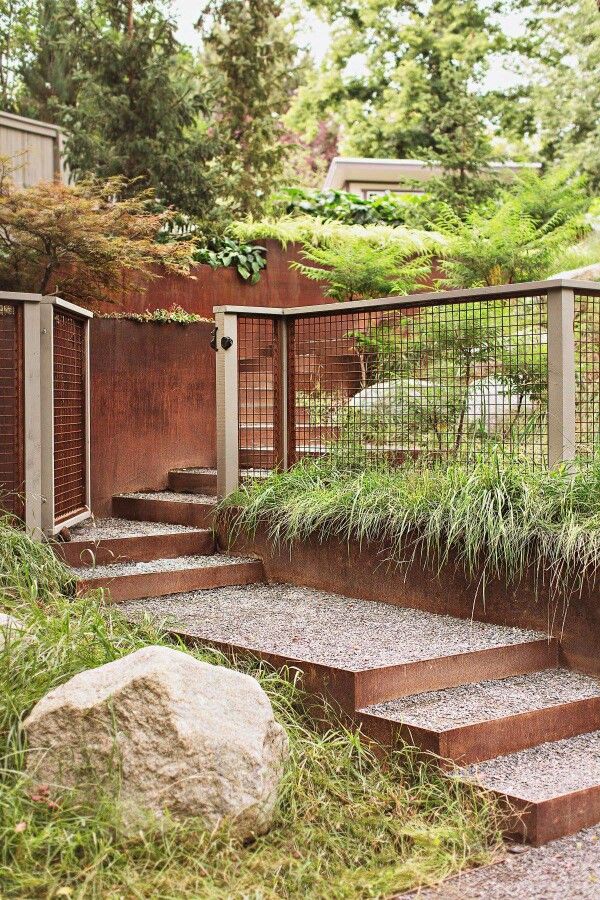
(112, 528)
(544, 772)
(178, 564)
(327, 629)
(483, 701)
(170, 496)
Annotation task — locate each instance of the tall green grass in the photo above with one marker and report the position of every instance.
(501, 518)
(346, 825)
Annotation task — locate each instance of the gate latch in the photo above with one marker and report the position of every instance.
(226, 342)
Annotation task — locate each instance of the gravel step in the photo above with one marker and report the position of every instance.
(552, 790)
(472, 703)
(172, 507)
(112, 528)
(123, 570)
(197, 470)
(356, 637)
(197, 480)
(475, 722)
(541, 773)
(155, 578)
(112, 540)
(169, 497)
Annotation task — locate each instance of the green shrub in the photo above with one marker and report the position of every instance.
(354, 269)
(216, 250)
(342, 206)
(247, 259)
(346, 825)
(516, 238)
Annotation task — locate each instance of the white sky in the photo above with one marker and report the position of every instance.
(316, 36)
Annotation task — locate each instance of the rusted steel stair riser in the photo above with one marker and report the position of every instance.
(390, 682)
(352, 690)
(139, 548)
(172, 512)
(193, 482)
(540, 822)
(160, 584)
(495, 737)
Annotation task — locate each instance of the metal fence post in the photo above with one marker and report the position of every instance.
(32, 407)
(47, 415)
(227, 403)
(280, 389)
(561, 376)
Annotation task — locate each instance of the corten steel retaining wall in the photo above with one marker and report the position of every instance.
(152, 404)
(278, 285)
(363, 571)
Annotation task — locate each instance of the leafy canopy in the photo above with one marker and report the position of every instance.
(418, 91)
(250, 60)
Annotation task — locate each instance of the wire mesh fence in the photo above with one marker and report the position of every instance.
(11, 410)
(257, 369)
(70, 448)
(424, 381)
(587, 374)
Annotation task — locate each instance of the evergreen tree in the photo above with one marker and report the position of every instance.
(128, 95)
(568, 84)
(251, 62)
(17, 38)
(48, 85)
(138, 109)
(418, 91)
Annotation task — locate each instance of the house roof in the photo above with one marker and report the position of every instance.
(364, 169)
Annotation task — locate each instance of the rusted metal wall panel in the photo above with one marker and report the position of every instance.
(152, 404)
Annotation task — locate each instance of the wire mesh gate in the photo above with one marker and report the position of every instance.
(12, 447)
(65, 414)
(421, 379)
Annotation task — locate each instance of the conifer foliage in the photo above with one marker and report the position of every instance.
(250, 60)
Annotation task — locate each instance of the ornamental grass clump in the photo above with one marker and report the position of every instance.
(346, 824)
(501, 518)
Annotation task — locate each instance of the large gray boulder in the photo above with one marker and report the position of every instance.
(164, 732)
(490, 404)
(10, 628)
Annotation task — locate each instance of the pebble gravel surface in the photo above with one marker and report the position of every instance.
(196, 470)
(315, 626)
(171, 495)
(105, 529)
(542, 772)
(114, 570)
(568, 869)
(486, 700)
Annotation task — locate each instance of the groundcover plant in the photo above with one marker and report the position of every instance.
(347, 824)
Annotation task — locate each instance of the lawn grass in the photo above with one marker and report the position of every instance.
(500, 518)
(347, 824)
